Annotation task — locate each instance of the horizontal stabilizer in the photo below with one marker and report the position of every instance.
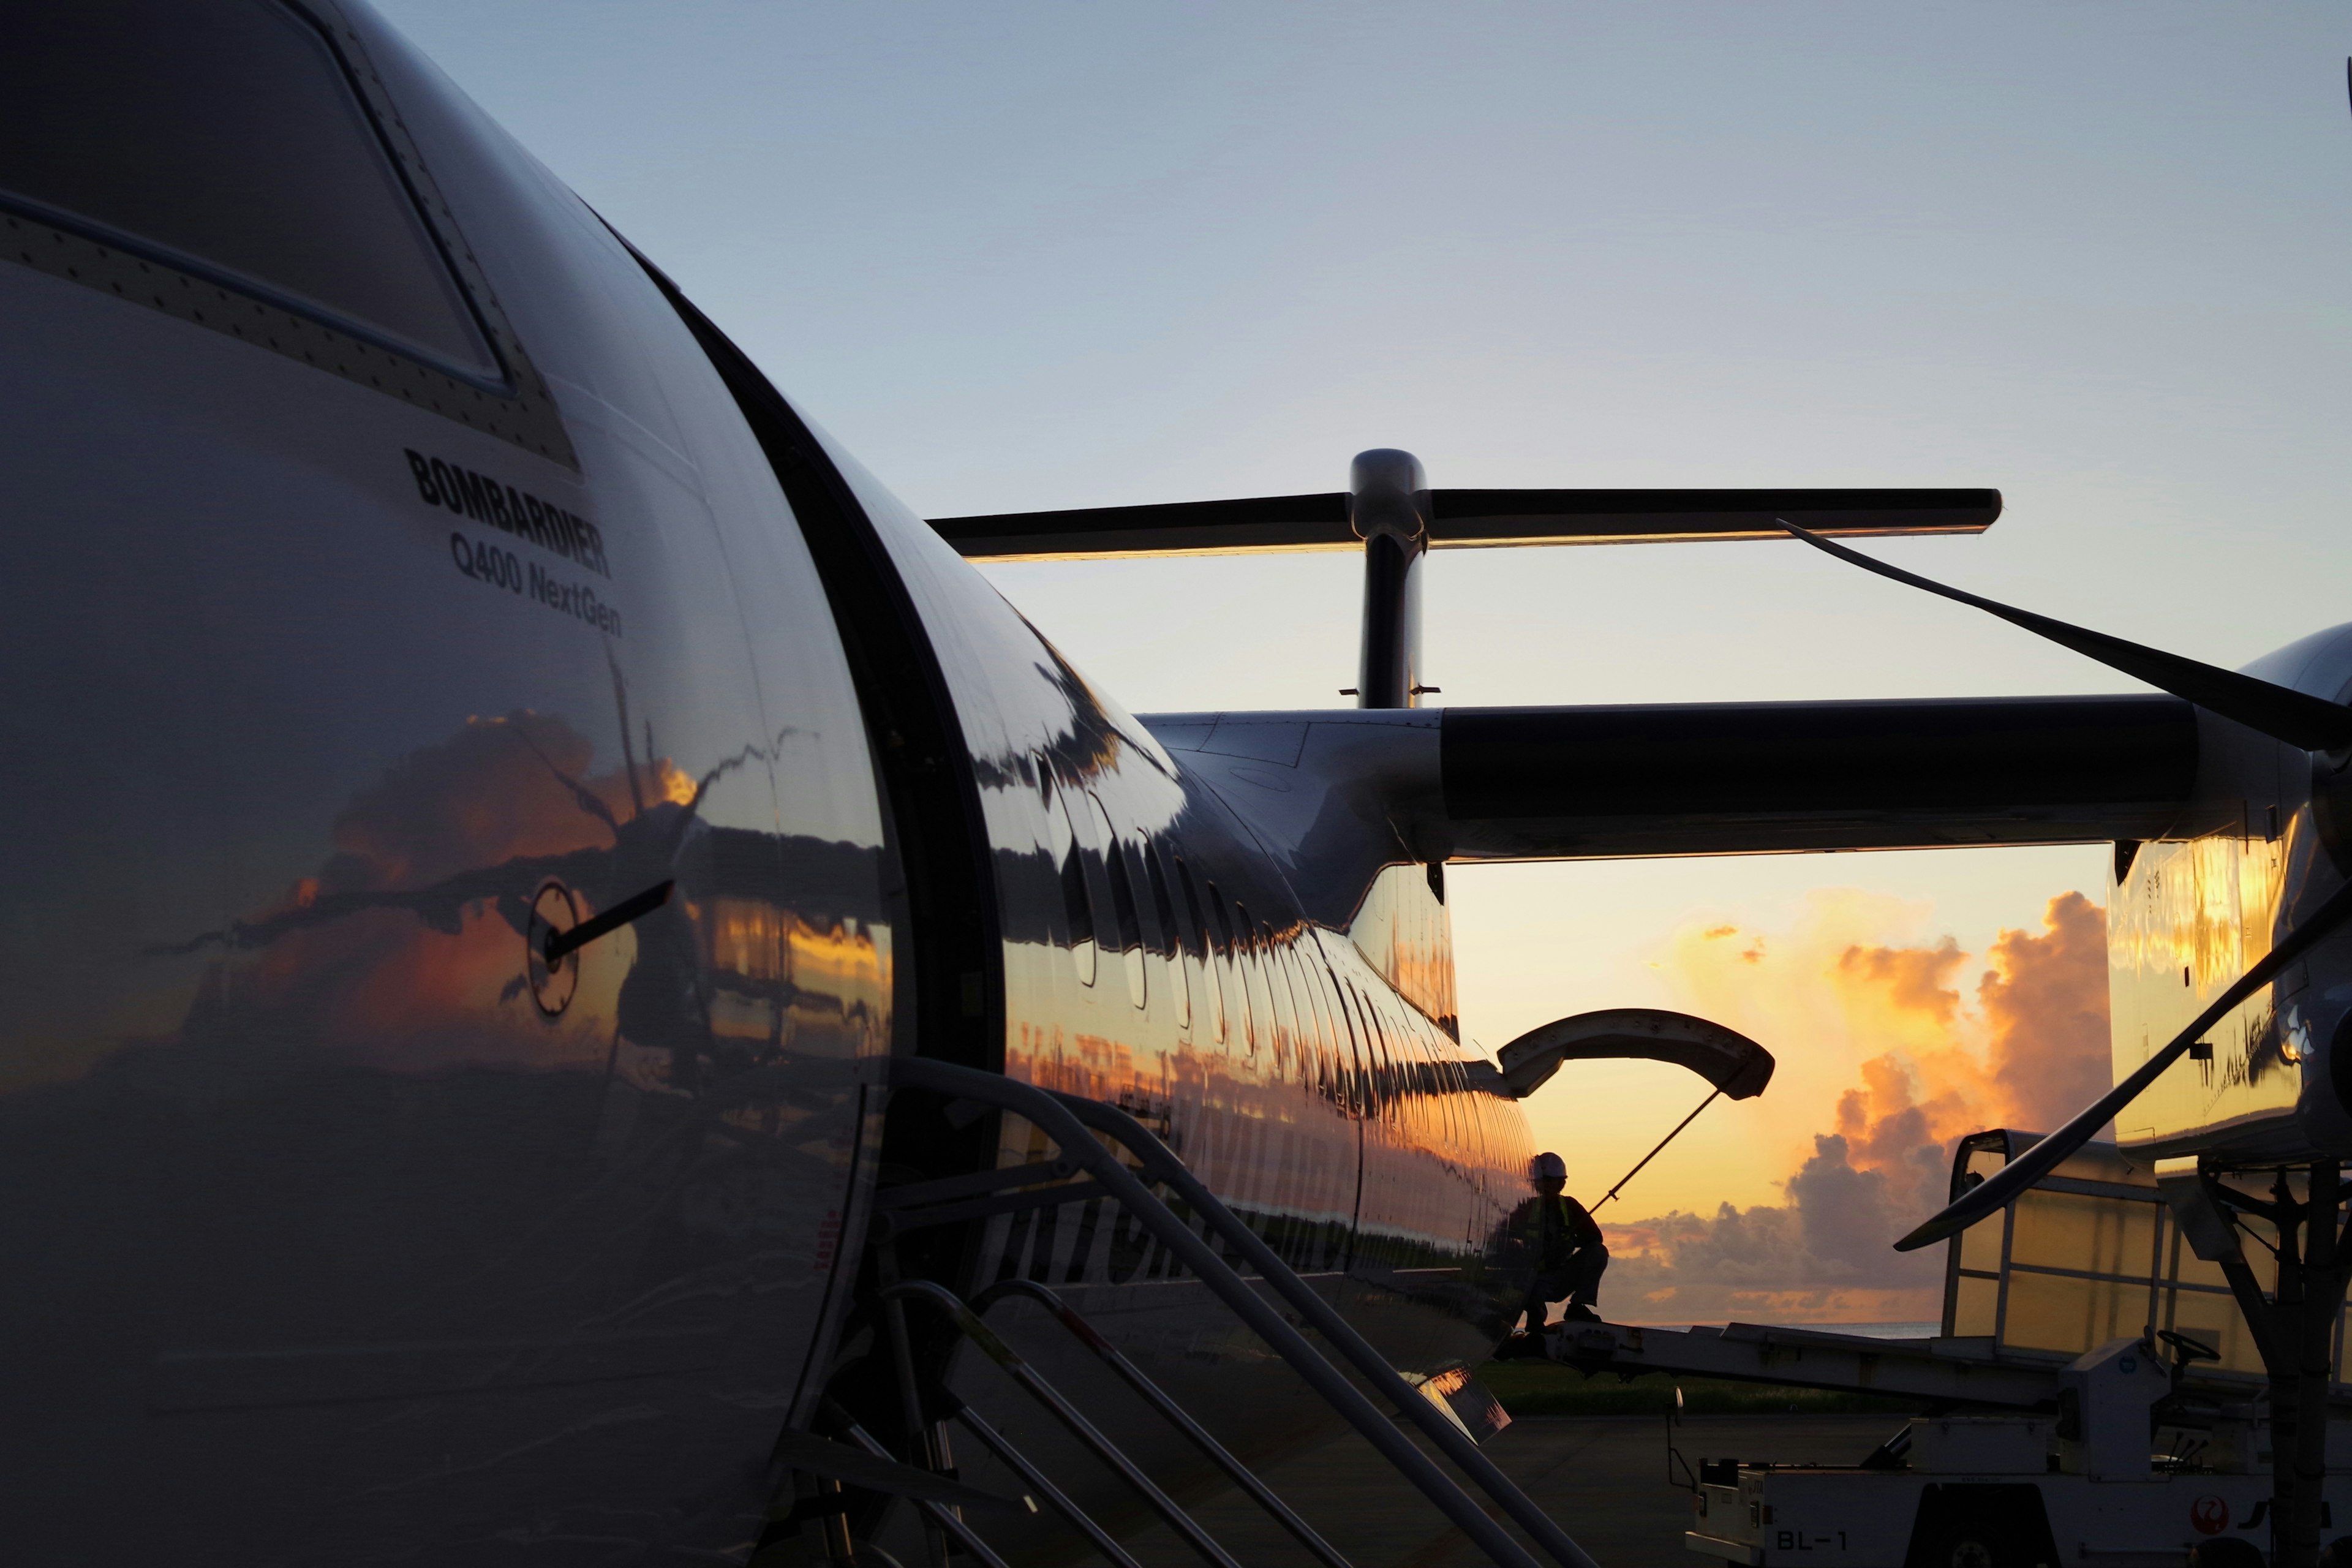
(1467, 520)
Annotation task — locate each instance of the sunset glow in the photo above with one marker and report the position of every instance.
(1897, 1032)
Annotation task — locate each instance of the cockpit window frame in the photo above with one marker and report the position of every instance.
(514, 404)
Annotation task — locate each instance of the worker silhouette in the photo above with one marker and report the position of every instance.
(1561, 1243)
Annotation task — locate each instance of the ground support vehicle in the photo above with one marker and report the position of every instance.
(2095, 1397)
(1990, 1491)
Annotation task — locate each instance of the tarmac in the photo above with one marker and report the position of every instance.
(1602, 1478)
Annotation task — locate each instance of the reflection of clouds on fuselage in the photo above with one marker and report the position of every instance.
(382, 952)
(1087, 754)
(1158, 958)
(1088, 747)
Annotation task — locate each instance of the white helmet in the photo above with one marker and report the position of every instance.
(1547, 1167)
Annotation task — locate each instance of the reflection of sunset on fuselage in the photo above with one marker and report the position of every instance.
(382, 977)
(410, 932)
(499, 793)
(1894, 1039)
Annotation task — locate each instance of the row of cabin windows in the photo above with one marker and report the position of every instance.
(1263, 988)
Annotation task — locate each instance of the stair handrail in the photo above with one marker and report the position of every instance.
(1175, 1414)
(991, 1344)
(1020, 1465)
(1065, 1118)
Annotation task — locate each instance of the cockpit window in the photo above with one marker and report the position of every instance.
(225, 137)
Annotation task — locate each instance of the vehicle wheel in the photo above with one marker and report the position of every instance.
(1979, 1526)
(2237, 1552)
(1971, 1554)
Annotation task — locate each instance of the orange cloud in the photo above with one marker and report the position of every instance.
(1912, 977)
(2046, 1001)
(2032, 1050)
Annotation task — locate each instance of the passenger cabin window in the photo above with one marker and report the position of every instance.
(1172, 937)
(1078, 903)
(1208, 981)
(1161, 904)
(1192, 906)
(224, 138)
(1356, 1072)
(1384, 1058)
(1283, 1027)
(1122, 902)
(1238, 963)
(1312, 976)
(1303, 1003)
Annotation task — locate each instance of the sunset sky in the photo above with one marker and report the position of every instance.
(1030, 256)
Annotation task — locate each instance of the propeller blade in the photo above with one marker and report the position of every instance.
(2296, 717)
(1997, 1190)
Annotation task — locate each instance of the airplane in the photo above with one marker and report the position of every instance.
(530, 859)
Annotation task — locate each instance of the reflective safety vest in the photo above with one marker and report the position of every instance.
(1551, 1229)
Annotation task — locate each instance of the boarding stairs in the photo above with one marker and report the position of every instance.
(1101, 1153)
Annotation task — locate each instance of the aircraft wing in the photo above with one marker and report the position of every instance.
(1732, 778)
(1769, 777)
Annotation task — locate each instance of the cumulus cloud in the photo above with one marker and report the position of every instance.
(2030, 1050)
(2046, 1001)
